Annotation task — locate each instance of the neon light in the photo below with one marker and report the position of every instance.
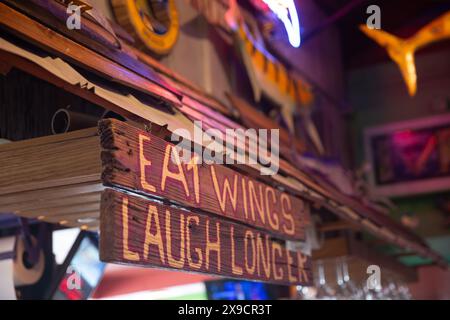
(287, 13)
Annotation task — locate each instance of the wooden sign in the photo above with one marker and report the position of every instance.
(142, 232)
(409, 157)
(140, 162)
(267, 74)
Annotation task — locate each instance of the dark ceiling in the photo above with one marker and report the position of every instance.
(400, 17)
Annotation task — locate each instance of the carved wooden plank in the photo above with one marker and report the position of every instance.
(141, 162)
(138, 231)
(47, 39)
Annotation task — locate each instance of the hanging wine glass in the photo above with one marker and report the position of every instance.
(342, 290)
(324, 292)
(306, 293)
(404, 292)
(355, 292)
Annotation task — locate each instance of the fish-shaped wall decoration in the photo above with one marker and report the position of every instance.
(269, 77)
(402, 51)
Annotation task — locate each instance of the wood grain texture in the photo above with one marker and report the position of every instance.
(50, 202)
(55, 179)
(56, 43)
(359, 256)
(297, 182)
(141, 162)
(139, 231)
(61, 210)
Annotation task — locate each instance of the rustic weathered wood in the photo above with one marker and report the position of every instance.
(194, 105)
(338, 225)
(28, 28)
(54, 178)
(359, 256)
(93, 36)
(344, 206)
(114, 55)
(54, 14)
(61, 210)
(47, 39)
(124, 110)
(141, 115)
(187, 89)
(96, 38)
(50, 201)
(50, 162)
(100, 101)
(139, 231)
(92, 217)
(68, 205)
(14, 201)
(141, 162)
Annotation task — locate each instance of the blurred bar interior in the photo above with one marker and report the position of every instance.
(354, 96)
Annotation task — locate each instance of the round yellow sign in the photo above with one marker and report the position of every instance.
(154, 23)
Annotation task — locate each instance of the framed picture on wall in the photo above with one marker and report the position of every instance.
(409, 157)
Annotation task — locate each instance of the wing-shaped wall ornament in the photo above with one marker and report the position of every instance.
(402, 51)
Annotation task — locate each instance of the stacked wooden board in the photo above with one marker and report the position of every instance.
(358, 256)
(216, 211)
